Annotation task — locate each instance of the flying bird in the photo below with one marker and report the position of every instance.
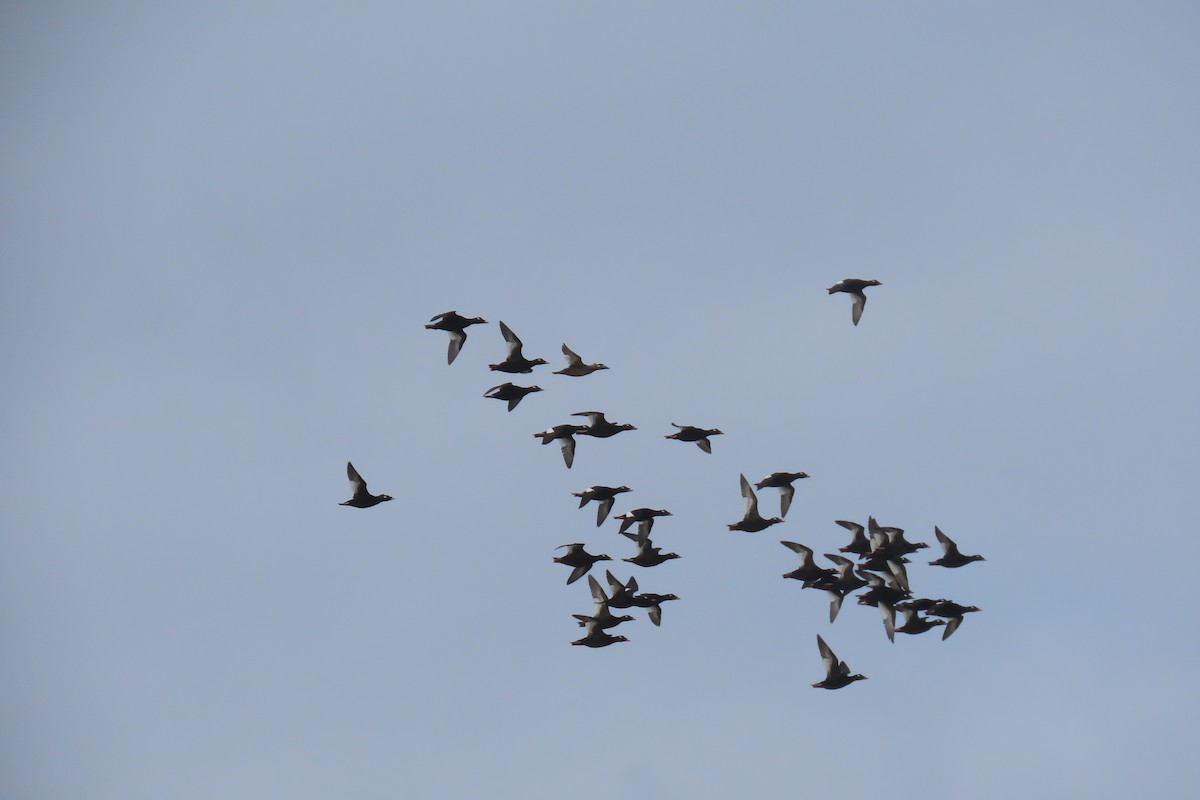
(751, 521)
(951, 556)
(511, 392)
(565, 434)
(362, 498)
(579, 559)
(837, 674)
(854, 287)
(688, 433)
(783, 482)
(575, 366)
(603, 495)
(515, 361)
(600, 427)
(647, 554)
(456, 325)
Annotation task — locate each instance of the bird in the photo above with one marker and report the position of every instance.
(645, 516)
(511, 392)
(808, 569)
(601, 614)
(647, 554)
(837, 674)
(783, 482)
(575, 366)
(603, 495)
(362, 498)
(565, 434)
(600, 427)
(854, 287)
(653, 604)
(579, 559)
(598, 637)
(456, 325)
(688, 433)
(515, 361)
(914, 623)
(622, 593)
(952, 612)
(751, 521)
(858, 541)
(951, 557)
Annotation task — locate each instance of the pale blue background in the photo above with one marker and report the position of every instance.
(224, 225)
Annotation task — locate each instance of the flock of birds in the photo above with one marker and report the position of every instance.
(881, 550)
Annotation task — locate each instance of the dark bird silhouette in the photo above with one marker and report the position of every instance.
(951, 556)
(808, 569)
(600, 427)
(837, 674)
(565, 434)
(603, 495)
(952, 612)
(653, 604)
(854, 287)
(914, 623)
(456, 325)
(362, 498)
(575, 366)
(601, 614)
(644, 516)
(511, 392)
(579, 559)
(858, 541)
(647, 554)
(783, 482)
(515, 361)
(688, 433)
(598, 637)
(751, 521)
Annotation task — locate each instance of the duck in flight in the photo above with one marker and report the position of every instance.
(456, 325)
(515, 361)
(362, 498)
(854, 287)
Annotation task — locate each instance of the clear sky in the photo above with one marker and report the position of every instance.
(225, 224)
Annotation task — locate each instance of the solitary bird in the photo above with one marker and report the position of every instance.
(837, 674)
(515, 361)
(951, 557)
(579, 559)
(688, 433)
(751, 521)
(456, 325)
(783, 482)
(575, 366)
(603, 495)
(565, 434)
(854, 287)
(362, 498)
(511, 392)
(600, 427)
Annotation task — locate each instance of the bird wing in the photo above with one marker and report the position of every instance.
(860, 300)
(568, 449)
(456, 342)
(356, 481)
(602, 510)
(750, 499)
(949, 548)
(514, 344)
(786, 493)
(706, 446)
(827, 656)
(598, 595)
(578, 573)
(573, 359)
(442, 315)
(951, 626)
(889, 619)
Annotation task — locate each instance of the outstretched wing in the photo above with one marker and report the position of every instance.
(749, 498)
(860, 300)
(514, 344)
(573, 359)
(357, 484)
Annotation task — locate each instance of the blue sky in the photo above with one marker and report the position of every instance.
(225, 226)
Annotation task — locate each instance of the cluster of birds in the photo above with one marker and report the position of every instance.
(881, 550)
